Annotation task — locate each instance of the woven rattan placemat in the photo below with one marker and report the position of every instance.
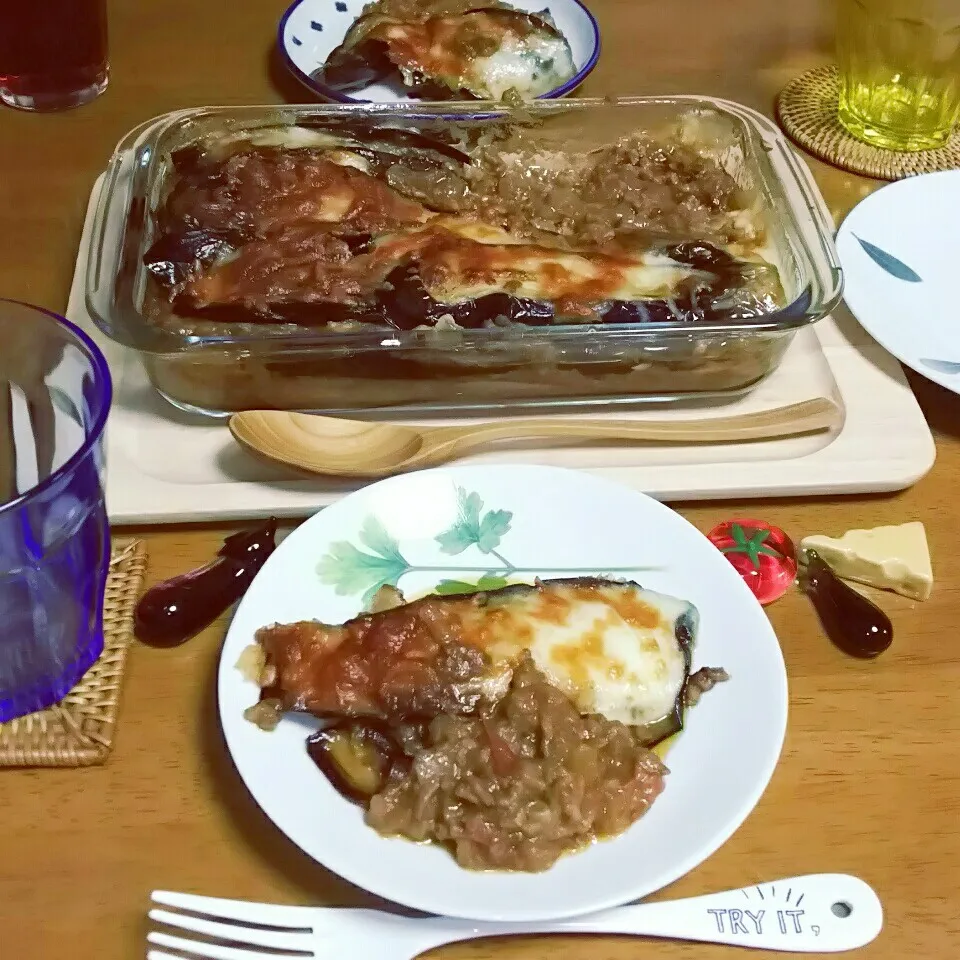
(78, 731)
(807, 110)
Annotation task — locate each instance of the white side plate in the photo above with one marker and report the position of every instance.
(900, 250)
(310, 30)
(552, 523)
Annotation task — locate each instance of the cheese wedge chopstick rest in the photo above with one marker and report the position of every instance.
(893, 558)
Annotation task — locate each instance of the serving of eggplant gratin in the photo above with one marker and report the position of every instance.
(353, 225)
(442, 49)
(512, 725)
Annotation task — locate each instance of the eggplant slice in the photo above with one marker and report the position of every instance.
(482, 53)
(356, 758)
(349, 69)
(614, 648)
(175, 257)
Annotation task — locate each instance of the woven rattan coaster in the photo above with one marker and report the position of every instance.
(807, 109)
(78, 731)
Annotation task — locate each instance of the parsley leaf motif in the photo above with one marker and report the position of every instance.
(752, 546)
(488, 581)
(350, 570)
(472, 527)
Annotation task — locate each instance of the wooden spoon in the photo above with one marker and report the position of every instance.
(356, 448)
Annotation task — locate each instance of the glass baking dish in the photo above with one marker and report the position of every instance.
(216, 368)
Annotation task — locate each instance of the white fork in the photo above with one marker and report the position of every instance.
(817, 913)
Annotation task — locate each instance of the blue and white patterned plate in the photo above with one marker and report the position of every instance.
(457, 528)
(311, 29)
(900, 252)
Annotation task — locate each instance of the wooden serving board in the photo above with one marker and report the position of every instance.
(164, 466)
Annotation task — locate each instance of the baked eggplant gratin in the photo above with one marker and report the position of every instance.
(352, 225)
(511, 726)
(442, 49)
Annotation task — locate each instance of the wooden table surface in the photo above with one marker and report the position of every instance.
(869, 780)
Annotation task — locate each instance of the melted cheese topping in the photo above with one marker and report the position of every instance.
(532, 65)
(612, 649)
(487, 53)
(462, 259)
(543, 274)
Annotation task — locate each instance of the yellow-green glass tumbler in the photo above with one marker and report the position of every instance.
(899, 63)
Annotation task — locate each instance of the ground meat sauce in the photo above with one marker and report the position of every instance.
(521, 782)
(265, 192)
(701, 682)
(638, 191)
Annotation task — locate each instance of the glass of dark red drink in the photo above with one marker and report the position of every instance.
(53, 53)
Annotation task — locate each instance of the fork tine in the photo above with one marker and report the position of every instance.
(213, 951)
(248, 911)
(249, 936)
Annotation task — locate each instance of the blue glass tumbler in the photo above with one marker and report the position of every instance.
(55, 393)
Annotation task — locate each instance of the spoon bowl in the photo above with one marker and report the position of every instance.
(354, 448)
(337, 445)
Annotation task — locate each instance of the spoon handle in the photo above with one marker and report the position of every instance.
(796, 418)
(817, 913)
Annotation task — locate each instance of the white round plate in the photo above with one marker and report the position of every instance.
(310, 30)
(899, 249)
(519, 522)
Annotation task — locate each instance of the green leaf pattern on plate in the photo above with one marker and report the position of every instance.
(489, 581)
(473, 529)
(351, 570)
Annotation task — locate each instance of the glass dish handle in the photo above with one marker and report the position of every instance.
(99, 263)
